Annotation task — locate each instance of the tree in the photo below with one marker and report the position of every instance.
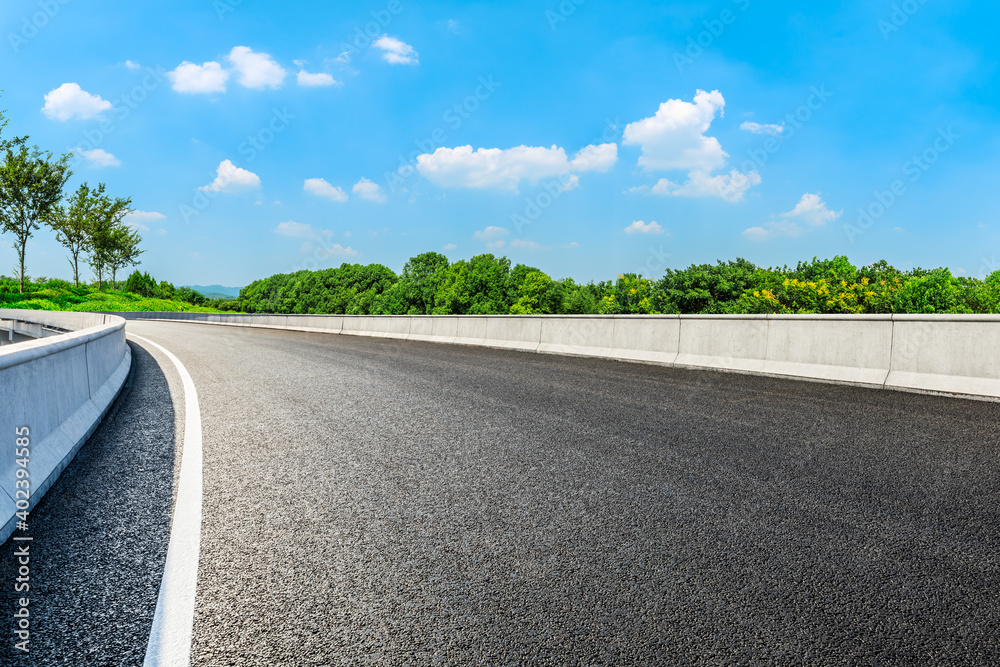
(707, 288)
(141, 284)
(477, 286)
(102, 239)
(124, 250)
(31, 184)
(632, 295)
(535, 293)
(422, 275)
(191, 296)
(72, 222)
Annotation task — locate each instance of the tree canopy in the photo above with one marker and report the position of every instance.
(485, 284)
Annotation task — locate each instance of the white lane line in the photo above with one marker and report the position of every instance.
(173, 621)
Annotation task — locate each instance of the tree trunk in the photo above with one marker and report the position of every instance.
(76, 268)
(20, 257)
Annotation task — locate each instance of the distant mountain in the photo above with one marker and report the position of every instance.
(216, 291)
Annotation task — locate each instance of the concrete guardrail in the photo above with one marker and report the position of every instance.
(19, 330)
(948, 354)
(59, 387)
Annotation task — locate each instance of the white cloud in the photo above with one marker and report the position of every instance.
(810, 210)
(396, 52)
(136, 220)
(571, 245)
(70, 100)
(132, 64)
(230, 178)
(491, 233)
(640, 227)
(774, 229)
(368, 190)
(730, 187)
(453, 25)
(98, 158)
(161, 232)
(674, 138)
(496, 245)
(316, 80)
(527, 245)
(600, 157)
(321, 188)
(298, 230)
(756, 233)
(448, 246)
(461, 167)
(758, 128)
(571, 182)
(256, 70)
(337, 250)
(205, 78)
(145, 216)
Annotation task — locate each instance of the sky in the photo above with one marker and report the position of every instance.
(584, 138)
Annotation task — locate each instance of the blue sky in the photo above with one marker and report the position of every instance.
(582, 137)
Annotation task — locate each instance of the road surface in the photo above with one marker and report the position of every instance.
(371, 501)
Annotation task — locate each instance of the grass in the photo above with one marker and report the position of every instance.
(60, 295)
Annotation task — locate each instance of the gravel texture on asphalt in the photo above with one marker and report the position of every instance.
(370, 501)
(99, 536)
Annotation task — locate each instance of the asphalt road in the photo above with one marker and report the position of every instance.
(372, 501)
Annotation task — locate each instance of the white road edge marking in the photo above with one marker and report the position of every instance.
(173, 621)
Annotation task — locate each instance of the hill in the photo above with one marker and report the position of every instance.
(217, 291)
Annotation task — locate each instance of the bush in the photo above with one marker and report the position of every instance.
(141, 284)
(190, 296)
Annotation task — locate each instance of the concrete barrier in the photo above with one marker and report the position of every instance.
(647, 338)
(390, 326)
(445, 329)
(318, 323)
(470, 330)
(949, 354)
(59, 387)
(270, 321)
(736, 343)
(801, 346)
(28, 329)
(357, 325)
(513, 332)
(421, 328)
(577, 335)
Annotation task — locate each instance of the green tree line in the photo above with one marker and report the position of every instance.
(485, 284)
